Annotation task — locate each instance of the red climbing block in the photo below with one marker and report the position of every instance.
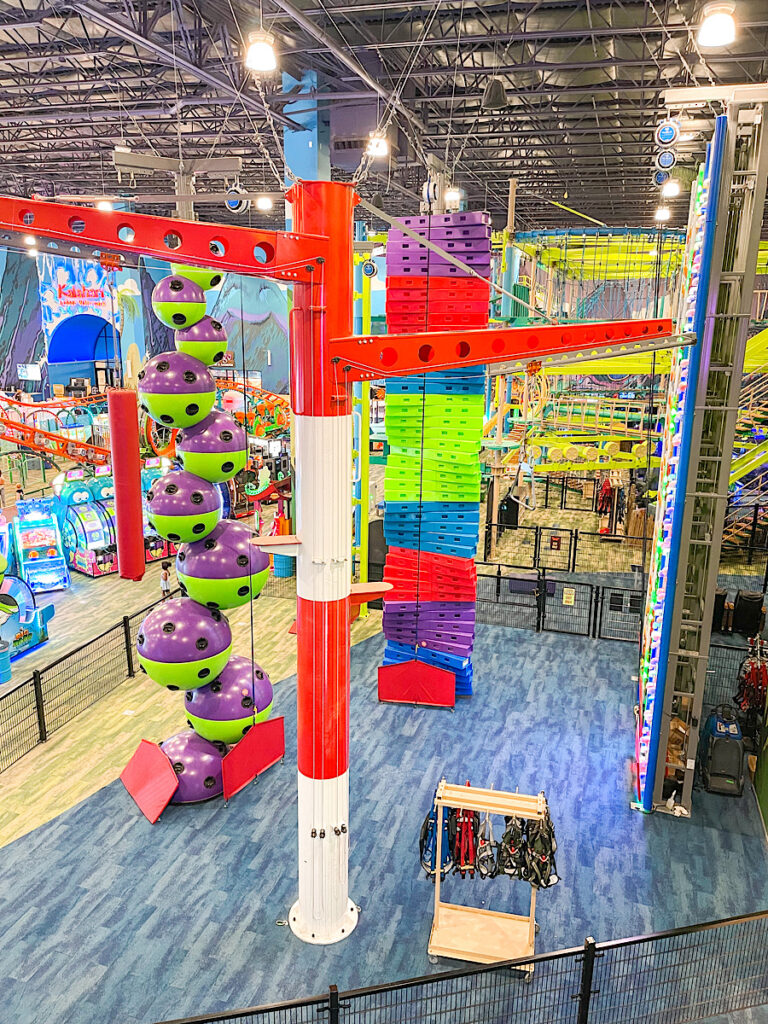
(150, 779)
(414, 682)
(261, 747)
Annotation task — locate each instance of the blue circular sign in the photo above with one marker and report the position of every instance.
(667, 133)
(665, 160)
(661, 177)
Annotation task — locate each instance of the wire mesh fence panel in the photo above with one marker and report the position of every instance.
(376, 575)
(579, 494)
(512, 545)
(280, 586)
(507, 596)
(611, 560)
(555, 548)
(81, 678)
(19, 724)
(620, 614)
(743, 568)
(567, 606)
(498, 996)
(688, 976)
(722, 673)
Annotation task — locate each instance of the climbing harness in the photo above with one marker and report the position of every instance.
(512, 858)
(428, 842)
(540, 869)
(753, 677)
(465, 842)
(487, 849)
(752, 687)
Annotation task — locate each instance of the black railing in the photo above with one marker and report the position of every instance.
(674, 977)
(557, 602)
(32, 710)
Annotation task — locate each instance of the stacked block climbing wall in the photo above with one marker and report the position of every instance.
(434, 425)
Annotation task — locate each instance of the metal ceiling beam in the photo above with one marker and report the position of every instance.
(610, 63)
(541, 35)
(103, 17)
(342, 53)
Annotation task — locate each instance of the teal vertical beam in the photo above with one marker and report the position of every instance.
(507, 281)
(307, 152)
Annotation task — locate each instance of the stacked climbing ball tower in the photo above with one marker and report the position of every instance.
(434, 425)
(185, 643)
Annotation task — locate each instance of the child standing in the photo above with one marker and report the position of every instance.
(19, 493)
(165, 580)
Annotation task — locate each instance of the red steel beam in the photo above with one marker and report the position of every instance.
(279, 255)
(395, 355)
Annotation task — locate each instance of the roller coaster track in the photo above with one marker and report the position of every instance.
(43, 442)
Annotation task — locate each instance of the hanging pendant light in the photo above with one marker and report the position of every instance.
(494, 95)
(260, 56)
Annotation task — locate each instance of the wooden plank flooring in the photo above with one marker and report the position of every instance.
(92, 750)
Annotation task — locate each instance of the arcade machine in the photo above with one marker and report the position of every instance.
(88, 528)
(155, 547)
(234, 497)
(23, 623)
(38, 546)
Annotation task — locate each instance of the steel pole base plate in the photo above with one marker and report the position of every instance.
(315, 933)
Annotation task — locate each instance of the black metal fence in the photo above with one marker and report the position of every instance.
(34, 709)
(624, 559)
(674, 977)
(557, 602)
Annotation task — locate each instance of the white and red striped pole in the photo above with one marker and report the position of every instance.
(322, 406)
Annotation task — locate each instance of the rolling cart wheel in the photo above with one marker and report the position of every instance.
(432, 959)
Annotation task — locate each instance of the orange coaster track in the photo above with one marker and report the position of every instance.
(53, 445)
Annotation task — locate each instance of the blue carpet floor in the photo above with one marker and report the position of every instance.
(105, 918)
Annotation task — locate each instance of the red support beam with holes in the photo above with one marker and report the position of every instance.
(396, 355)
(279, 255)
(325, 359)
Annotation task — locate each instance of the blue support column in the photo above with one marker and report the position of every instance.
(308, 152)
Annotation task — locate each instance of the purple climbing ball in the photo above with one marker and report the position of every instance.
(175, 373)
(182, 506)
(182, 644)
(176, 389)
(178, 302)
(198, 766)
(215, 449)
(224, 570)
(238, 698)
(206, 340)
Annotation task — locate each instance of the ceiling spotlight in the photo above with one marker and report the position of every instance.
(670, 188)
(687, 136)
(662, 214)
(264, 203)
(260, 55)
(718, 27)
(452, 196)
(104, 204)
(377, 145)
(31, 252)
(30, 240)
(494, 95)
